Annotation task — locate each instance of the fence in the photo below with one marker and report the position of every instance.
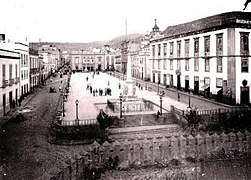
(221, 110)
(78, 122)
(177, 110)
(149, 152)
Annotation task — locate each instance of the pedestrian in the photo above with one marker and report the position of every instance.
(179, 97)
(108, 83)
(119, 85)
(20, 101)
(59, 88)
(13, 104)
(90, 89)
(101, 92)
(158, 114)
(87, 78)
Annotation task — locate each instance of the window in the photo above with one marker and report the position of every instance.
(178, 64)
(196, 64)
(187, 64)
(158, 64)
(207, 44)
(244, 64)
(10, 71)
(171, 48)
(16, 70)
(153, 65)
(171, 64)
(164, 64)
(178, 48)
(164, 49)
(207, 66)
(219, 82)
(76, 60)
(219, 64)
(207, 80)
(219, 44)
(159, 49)
(4, 72)
(196, 45)
(153, 50)
(187, 45)
(244, 43)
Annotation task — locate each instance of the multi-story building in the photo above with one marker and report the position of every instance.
(35, 72)
(23, 50)
(118, 63)
(50, 55)
(9, 78)
(144, 55)
(128, 50)
(91, 60)
(109, 58)
(209, 56)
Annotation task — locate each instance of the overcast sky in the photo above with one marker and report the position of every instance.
(98, 20)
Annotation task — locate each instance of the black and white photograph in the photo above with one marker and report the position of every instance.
(125, 90)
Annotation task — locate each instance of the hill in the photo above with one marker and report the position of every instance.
(67, 46)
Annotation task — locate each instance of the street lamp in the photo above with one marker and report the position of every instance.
(160, 97)
(76, 102)
(158, 85)
(189, 101)
(120, 98)
(63, 104)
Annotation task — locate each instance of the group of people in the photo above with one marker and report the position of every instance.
(100, 91)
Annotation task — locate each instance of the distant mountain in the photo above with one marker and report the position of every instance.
(114, 43)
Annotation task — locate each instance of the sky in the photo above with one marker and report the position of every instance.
(100, 20)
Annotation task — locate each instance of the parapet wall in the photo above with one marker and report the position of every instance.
(150, 152)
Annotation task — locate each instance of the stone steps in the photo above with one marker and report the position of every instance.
(142, 132)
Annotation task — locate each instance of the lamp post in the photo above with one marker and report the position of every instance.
(120, 98)
(158, 85)
(161, 100)
(76, 102)
(189, 100)
(63, 104)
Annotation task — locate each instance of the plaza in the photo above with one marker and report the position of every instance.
(90, 105)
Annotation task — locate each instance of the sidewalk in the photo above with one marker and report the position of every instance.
(13, 112)
(197, 102)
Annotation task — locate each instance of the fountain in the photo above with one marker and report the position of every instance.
(129, 100)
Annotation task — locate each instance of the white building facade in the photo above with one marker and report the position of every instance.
(9, 79)
(209, 56)
(23, 50)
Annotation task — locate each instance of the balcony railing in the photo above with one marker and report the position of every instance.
(4, 83)
(17, 80)
(11, 82)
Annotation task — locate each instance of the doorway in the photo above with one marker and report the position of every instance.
(10, 99)
(245, 95)
(196, 85)
(178, 82)
(4, 104)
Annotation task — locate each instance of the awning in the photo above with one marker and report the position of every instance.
(216, 90)
(205, 86)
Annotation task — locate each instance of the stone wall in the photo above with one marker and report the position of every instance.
(150, 152)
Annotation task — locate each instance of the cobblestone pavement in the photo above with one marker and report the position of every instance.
(235, 169)
(25, 151)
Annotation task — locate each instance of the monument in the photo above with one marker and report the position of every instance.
(128, 101)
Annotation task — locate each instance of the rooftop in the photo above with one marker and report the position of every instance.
(219, 21)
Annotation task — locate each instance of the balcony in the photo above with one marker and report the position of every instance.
(11, 82)
(17, 80)
(4, 83)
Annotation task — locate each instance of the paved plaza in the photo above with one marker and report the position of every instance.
(86, 107)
